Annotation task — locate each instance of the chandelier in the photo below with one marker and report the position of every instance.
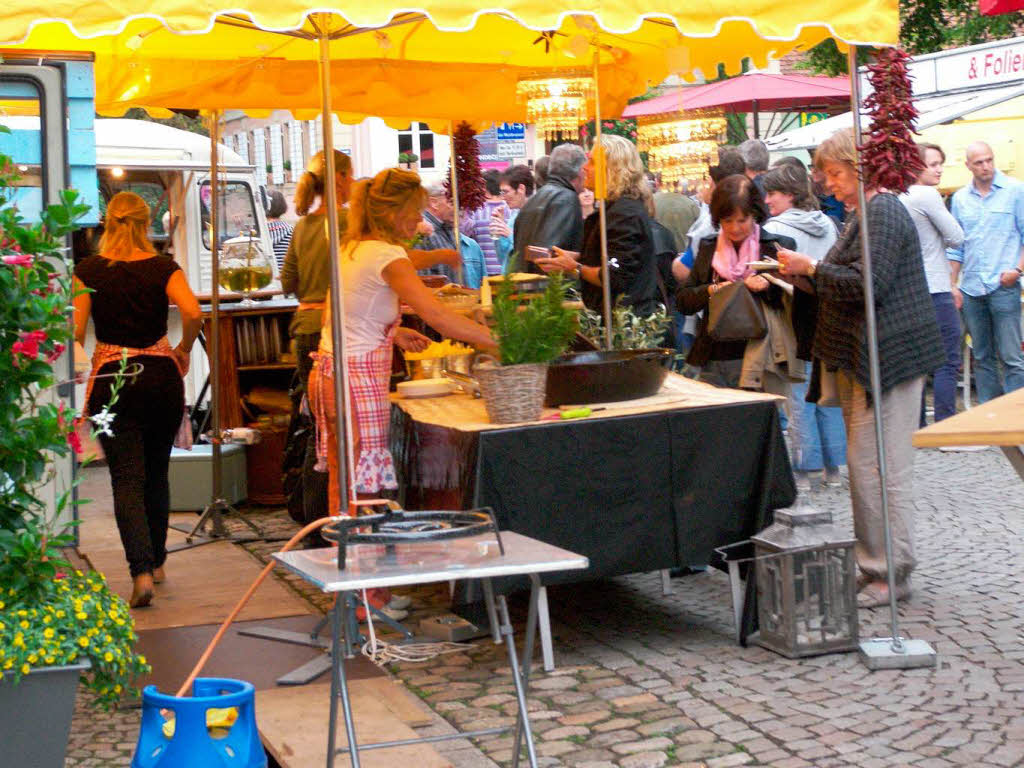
(680, 145)
(556, 105)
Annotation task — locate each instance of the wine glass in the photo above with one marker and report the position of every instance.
(244, 266)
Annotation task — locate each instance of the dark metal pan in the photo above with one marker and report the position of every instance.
(606, 376)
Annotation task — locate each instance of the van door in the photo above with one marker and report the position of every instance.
(33, 105)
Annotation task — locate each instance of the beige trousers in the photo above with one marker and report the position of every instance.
(900, 412)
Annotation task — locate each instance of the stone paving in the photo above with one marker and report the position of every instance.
(646, 680)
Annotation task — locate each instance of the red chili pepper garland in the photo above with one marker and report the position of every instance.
(889, 158)
(466, 155)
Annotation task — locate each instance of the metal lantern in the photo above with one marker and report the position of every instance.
(806, 585)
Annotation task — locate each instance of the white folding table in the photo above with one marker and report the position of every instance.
(476, 557)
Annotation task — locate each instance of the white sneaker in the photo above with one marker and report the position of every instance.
(400, 602)
(962, 448)
(833, 478)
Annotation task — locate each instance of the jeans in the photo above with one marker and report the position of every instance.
(148, 414)
(817, 434)
(993, 321)
(945, 378)
(899, 420)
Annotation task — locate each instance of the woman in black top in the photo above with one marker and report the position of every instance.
(632, 266)
(737, 211)
(126, 290)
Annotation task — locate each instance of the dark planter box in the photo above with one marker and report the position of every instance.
(35, 716)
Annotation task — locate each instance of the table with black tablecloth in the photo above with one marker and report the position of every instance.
(641, 486)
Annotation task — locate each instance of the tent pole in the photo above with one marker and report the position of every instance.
(600, 187)
(343, 426)
(455, 200)
(757, 127)
(896, 643)
(215, 421)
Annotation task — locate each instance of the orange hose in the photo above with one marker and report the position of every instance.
(241, 604)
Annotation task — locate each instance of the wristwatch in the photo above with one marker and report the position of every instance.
(813, 268)
(579, 271)
(1019, 270)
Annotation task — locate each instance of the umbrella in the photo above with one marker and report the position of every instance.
(753, 92)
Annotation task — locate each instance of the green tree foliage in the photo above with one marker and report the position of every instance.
(926, 26)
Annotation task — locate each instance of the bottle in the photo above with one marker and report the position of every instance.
(241, 436)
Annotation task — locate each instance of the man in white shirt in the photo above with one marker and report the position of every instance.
(938, 230)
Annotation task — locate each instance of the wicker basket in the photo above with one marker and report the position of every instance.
(512, 393)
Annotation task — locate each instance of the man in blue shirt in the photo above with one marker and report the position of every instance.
(989, 265)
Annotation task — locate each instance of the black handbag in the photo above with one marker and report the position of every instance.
(735, 315)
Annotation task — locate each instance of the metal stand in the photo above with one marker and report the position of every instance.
(520, 678)
(893, 652)
(196, 536)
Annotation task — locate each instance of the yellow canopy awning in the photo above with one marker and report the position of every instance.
(410, 66)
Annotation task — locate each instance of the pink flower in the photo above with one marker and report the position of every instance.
(17, 260)
(75, 442)
(28, 345)
(57, 351)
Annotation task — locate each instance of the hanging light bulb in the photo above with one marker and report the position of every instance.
(680, 145)
(556, 105)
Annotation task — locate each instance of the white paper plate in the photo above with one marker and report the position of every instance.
(426, 388)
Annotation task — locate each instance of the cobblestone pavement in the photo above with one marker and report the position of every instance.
(646, 680)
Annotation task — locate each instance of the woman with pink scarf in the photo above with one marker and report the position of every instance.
(738, 212)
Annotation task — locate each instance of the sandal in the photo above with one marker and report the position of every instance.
(876, 594)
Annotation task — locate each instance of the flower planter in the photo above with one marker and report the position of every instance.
(512, 393)
(35, 715)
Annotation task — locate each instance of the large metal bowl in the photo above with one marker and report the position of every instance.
(579, 378)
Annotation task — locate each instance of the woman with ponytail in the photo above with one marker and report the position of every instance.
(377, 274)
(126, 290)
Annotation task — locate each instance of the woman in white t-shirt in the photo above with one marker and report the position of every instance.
(377, 274)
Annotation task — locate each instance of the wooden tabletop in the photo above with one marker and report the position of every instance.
(997, 422)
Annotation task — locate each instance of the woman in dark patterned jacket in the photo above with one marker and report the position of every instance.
(909, 347)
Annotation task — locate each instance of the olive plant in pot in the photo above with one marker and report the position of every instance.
(530, 335)
(56, 623)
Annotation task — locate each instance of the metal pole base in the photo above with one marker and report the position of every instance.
(213, 515)
(879, 653)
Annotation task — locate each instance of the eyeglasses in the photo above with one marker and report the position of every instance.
(506, 191)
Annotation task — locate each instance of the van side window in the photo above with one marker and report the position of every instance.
(236, 211)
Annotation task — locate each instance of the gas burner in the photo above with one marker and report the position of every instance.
(397, 526)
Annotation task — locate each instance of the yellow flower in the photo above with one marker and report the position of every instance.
(50, 659)
(60, 614)
(80, 616)
(97, 587)
(2, 604)
(48, 633)
(108, 638)
(47, 619)
(32, 658)
(119, 622)
(25, 668)
(117, 688)
(22, 614)
(9, 663)
(23, 624)
(84, 642)
(108, 657)
(112, 613)
(19, 641)
(142, 659)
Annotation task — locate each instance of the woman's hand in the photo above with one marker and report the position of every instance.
(756, 283)
(425, 228)
(409, 340)
(499, 227)
(714, 288)
(182, 358)
(562, 261)
(794, 263)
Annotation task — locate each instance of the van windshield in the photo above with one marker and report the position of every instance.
(236, 211)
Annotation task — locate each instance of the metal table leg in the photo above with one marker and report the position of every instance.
(522, 671)
(492, 614)
(520, 676)
(1015, 456)
(339, 688)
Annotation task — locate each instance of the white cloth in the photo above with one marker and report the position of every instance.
(371, 307)
(936, 229)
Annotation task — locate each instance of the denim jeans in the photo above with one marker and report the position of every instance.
(993, 321)
(945, 378)
(817, 434)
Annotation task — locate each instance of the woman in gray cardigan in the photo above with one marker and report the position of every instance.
(909, 347)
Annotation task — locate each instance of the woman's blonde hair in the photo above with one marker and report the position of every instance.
(837, 148)
(311, 185)
(126, 226)
(625, 171)
(376, 203)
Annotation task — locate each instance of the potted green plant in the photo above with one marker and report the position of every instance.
(530, 335)
(56, 623)
(408, 159)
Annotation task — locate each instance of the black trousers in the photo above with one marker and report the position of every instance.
(148, 414)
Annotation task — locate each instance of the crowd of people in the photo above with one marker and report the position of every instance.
(761, 267)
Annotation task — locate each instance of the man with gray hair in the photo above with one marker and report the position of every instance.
(553, 216)
(755, 157)
(437, 237)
